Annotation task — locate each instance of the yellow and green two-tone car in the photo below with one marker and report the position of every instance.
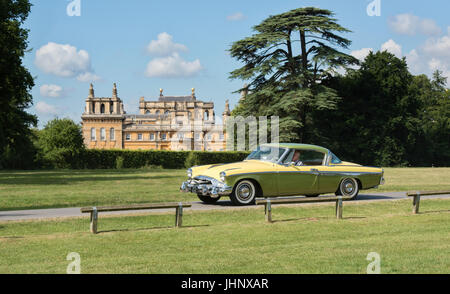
(284, 169)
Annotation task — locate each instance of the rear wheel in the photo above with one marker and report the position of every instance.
(207, 199)
(244, 193)
(348, 188)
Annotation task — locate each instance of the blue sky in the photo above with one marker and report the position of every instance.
(146, 45)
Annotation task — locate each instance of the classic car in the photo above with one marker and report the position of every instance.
(284, 169)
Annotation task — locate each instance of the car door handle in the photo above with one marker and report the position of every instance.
(315, 171)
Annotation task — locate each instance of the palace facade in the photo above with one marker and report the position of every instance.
(169, 123)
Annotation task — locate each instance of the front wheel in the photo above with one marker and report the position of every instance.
(348, 188)
(207, 199)
(243, 193)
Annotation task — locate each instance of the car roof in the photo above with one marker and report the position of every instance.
(298, 146)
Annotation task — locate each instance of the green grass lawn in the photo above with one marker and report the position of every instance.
(72, 188)
(413, 179)
(303, 239)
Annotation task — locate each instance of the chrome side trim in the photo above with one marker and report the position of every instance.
(346, 173)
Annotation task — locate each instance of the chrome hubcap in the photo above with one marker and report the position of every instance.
(244, 191)
(348, 187)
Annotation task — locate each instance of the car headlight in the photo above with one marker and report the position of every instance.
(189, 173)
(222, 176)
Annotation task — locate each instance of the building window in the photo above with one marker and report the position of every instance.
(180, 136)
(197, 136)
(140, 137)
(166, 112)
(221, 136)
(112, 135)
(208, 137)
(157, 112)
(152, 137)
(102, 108)
(93, 138)
(102, 134)
(163, 137)
(127, 137)
(147, 112)
(206, 115)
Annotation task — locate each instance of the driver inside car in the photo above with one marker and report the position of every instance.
(296, 159)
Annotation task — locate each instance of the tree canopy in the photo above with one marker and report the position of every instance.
(15, 86)
(61, 143)
(285, 61)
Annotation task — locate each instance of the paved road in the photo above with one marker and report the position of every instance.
(221, 204)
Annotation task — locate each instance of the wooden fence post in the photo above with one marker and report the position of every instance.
(339, 208)
(268, 211)
(94, 217)
(416, 203)
(179, 215)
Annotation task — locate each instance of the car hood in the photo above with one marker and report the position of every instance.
(214, 170)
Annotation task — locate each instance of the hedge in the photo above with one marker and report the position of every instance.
(108, 159)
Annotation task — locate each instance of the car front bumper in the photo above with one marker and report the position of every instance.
(206, 187)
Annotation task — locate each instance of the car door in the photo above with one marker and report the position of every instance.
(297, 180)
(303, 179)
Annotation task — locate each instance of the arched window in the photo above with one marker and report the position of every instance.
(93, 107)
(102, 108)
(166, 112)
(147, 111)
(111, 107)
(93, 138)
(112, 135)
(157, 112)
(102, 134)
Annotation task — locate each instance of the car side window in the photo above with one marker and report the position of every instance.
(310, 157)
(335, 159)
(307, 157)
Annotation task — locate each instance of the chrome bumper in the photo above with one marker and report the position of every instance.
(211, 188)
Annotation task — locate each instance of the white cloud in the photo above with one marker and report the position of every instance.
(88, 77)
(235, 16)
(63, 61)
(392, 47)
(172, 66)
(164, 46)
(361, 54)
(409, 24)
(414, 61)
(439, 47)
(52, 91)
(46, 109)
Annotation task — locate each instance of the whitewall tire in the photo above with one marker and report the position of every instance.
(349, 188)
(244, 193)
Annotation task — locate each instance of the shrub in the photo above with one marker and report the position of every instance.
(119, 162)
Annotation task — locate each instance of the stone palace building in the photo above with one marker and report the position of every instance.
(169, 123)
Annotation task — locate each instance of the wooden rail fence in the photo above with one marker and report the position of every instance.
(95, 210)
(417, 194)
(269, 202)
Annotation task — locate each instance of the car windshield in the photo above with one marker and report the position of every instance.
(267, 153)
